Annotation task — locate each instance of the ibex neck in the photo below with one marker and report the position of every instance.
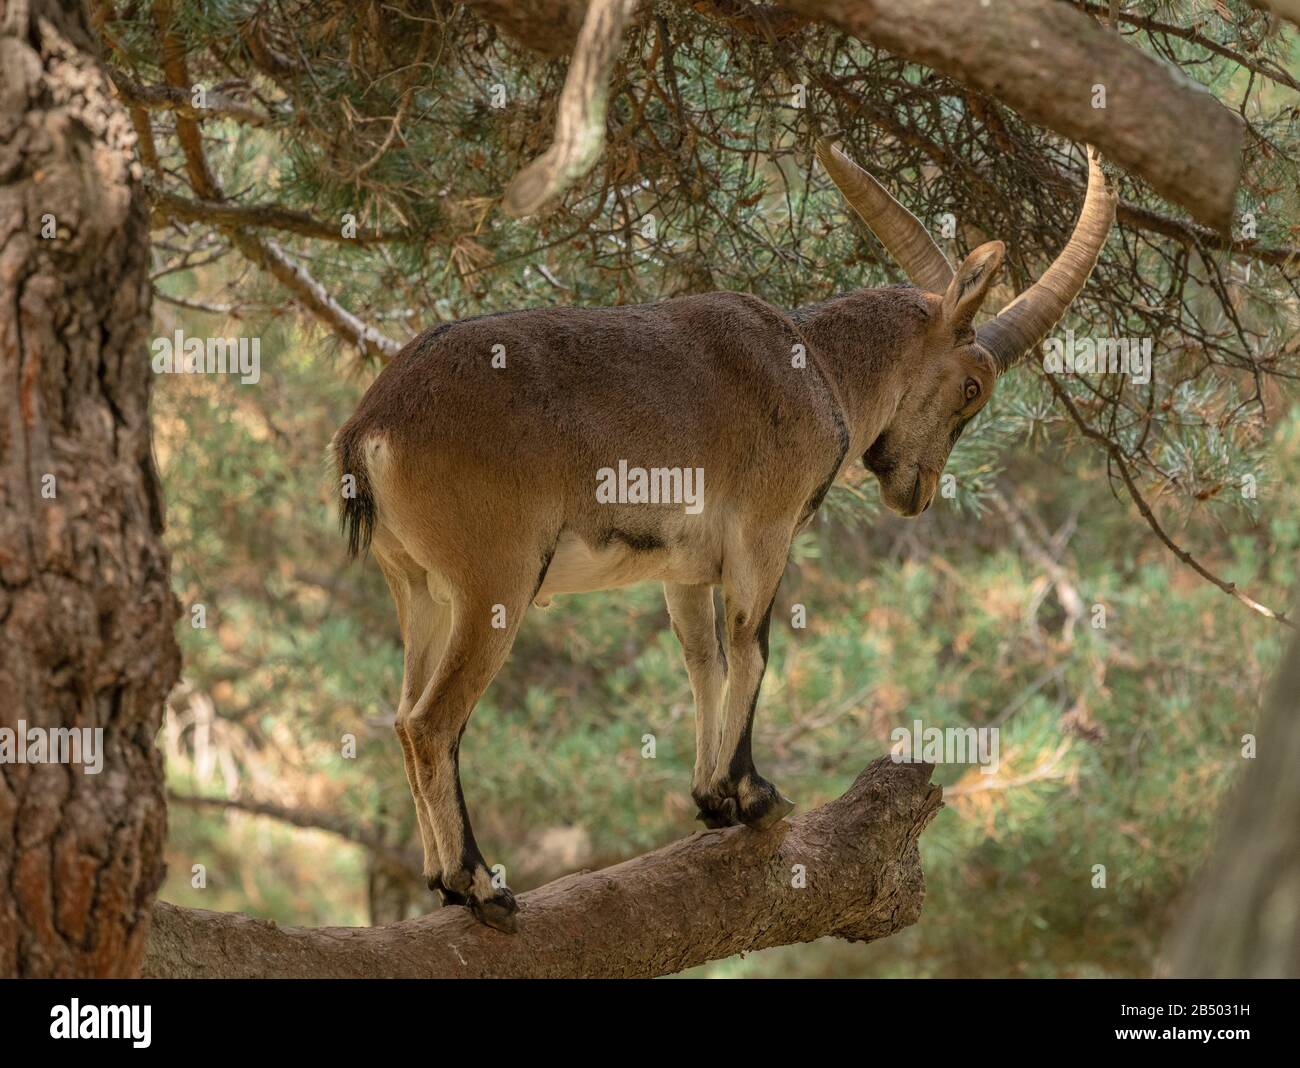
(859, 342)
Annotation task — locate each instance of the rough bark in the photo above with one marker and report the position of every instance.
(86, 610)
(709, 896)
(1243, 920)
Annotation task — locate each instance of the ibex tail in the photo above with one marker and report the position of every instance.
(357, 513)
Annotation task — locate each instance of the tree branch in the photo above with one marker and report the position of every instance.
(1117, 455)
(1128, 214)
(755, 20)
(547, 26)
(225, 213)
(172, 98)
(1192, 234)
(1066, 592)
(709, 896)
(1187, 33)
(409, 861)
(313, 296)
(580, 120)
(1043, 58)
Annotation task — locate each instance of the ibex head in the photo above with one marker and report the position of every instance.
(952, 364)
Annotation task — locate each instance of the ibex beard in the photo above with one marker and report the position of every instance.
(472, 465)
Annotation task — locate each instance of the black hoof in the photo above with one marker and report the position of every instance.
(498, 912)
(445, 896)
(771, 811)
(720, 813)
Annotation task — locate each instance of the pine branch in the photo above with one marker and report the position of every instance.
(1154, 26)
(1121, 464)
(408, 861)
(172, 98)
(264, 252)
(313, 296)
(225, 213)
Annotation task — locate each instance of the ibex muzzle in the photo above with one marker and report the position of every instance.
(478, 466)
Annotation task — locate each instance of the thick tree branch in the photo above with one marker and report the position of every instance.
(766, 20)
(547, 26)
(1040, 57)
(580, 121)
(1243, 917)
(709, 896)
(1043, 58)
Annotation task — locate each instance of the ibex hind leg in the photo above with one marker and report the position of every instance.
(424, 624)
(750, 578)
(691, 610)
(485, 618)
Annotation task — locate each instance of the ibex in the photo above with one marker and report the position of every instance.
(479, 466)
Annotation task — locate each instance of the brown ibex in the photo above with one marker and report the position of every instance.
(480, 466)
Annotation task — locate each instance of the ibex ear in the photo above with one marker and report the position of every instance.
(970, 285)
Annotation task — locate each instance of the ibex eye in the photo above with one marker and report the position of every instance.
(972, 389)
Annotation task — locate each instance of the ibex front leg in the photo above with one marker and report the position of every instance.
(751, 574)
(691, 611)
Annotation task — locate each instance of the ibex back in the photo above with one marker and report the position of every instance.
(498, 461)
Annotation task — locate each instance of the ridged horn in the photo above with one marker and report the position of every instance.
(1023, 323)
(897, 228)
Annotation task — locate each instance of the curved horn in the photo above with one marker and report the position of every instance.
(1023, 323)
(897, 228)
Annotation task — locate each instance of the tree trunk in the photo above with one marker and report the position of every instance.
(850, 869)
(1243, 920)
(86, 610)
